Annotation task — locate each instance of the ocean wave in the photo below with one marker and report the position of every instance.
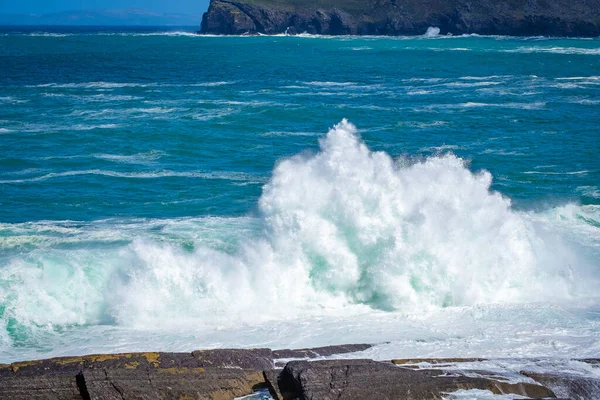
(471, 104)
(212, 84)
(441, 149)
(119, 85)
(579, 78)
(420, 92)
(589, 191)
(328, 83)
(175, 34)
(346, 230)
(232, 176)
(283, 133)
(472, 84)
(583, 172)
(140, 158)
(133, 34)
(41, 128)
(503, 152)
(12, 100)
(484, 78)
(554, 50)
(586, 102)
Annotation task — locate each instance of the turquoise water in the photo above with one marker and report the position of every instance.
(149, 182)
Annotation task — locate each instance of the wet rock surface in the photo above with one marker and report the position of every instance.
(232, 373)
(213, 374)
(568, 386)
(320, 351)
(368, 379)
(404, 17)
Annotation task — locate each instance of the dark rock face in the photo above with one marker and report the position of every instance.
(367, 379)
(225, 374)
(214, 374)
(569, 386)
(321, 351)
(404, 17)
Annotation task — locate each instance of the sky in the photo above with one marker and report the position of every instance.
(47, 7)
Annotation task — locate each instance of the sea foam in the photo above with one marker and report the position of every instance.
(338, 232)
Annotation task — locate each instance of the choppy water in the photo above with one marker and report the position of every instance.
(165, 191)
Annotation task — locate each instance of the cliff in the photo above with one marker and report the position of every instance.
(404, 17)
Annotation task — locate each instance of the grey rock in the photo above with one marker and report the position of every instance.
(212, 374)
(321, 351)
(570, 386)
(367, 379)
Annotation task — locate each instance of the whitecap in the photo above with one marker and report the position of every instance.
(583, 172)
(554, 50)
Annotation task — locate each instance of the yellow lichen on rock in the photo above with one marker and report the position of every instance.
(152, 358)
(132, 365)
(18, 365)
(106, 357)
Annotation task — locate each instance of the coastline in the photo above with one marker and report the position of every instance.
(408, 17)
(316, 373)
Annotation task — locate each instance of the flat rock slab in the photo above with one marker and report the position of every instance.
(224, 374)
(436, 361)
(48, 386)
(367, 379)
(212, 374)
(171, 383)
(569, 386)
(321, 351)
(258, 359)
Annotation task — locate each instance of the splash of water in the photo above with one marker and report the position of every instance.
(342, 230)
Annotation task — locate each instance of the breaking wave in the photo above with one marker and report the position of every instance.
(341, 230)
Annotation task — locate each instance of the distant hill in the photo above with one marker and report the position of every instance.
(404, 17)
(129, 17)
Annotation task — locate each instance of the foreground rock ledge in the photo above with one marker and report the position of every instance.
(404, 17)
(229, 373)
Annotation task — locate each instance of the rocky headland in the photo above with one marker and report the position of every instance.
(403, 17)
(224, 374)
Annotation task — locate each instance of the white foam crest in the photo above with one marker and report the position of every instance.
(579, 78)
(81, 127)
(471, 104)
(212, 84)
(229, 175)
(472, 84)
(420, 92)
(583, 172)
(120, 85)
(479, 394)
(12, 100)
(102, 85)
(555, 50)
(432, 31)
(142, 158)
(174, 33)
(329, 83)
(484, 78)
(340, 232)
(47, 34)
(589, 191)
